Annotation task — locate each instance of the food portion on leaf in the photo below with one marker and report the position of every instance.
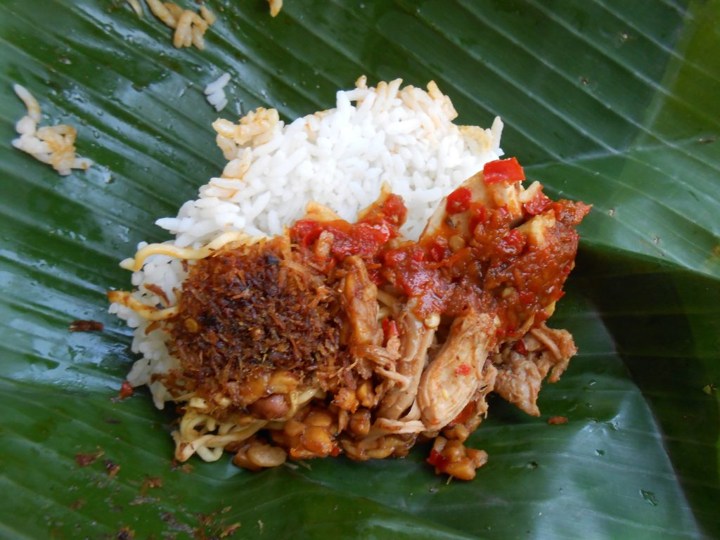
(294, 317)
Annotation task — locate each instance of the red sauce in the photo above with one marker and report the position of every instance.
(537, 205)
(364, 238)
(493, 269)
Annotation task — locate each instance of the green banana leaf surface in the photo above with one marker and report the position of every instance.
(613, 102)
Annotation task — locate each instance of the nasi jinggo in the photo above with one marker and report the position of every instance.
(347, 336)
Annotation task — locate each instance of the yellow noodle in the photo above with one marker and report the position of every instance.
(196, 435)
(183, 253)
(150, 313)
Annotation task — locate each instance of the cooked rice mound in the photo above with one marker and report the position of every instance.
(340, 158)
(356, 281)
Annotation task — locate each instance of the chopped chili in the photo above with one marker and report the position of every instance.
(390, 329)
(126, 390)
(503, 170)
(458, 201)
(463, 369)
(436, 459)
(520, 347)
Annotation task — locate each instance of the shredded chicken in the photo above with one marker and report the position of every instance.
(416, 340)
(520, 375)
(451, 380)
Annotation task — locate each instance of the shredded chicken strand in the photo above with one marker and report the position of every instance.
(520, 375)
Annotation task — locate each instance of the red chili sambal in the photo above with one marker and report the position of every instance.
(376, 226)
(480, 255)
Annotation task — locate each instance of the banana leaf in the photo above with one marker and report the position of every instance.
(608, 101)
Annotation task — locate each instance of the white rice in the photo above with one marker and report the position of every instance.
(54, 145)
(215, 92)
(339, 158)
